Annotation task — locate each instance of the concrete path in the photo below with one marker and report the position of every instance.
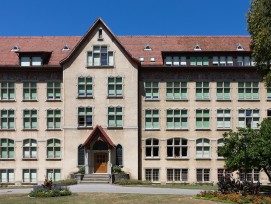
(108, 188)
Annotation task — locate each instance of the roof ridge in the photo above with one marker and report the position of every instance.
(212, 36)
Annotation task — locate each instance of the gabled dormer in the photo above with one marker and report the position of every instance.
(33, 59)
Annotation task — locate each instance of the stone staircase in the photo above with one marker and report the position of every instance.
(96, 178)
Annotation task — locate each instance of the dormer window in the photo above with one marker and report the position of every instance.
(100, 34)
(141, 59)
(147, 48)
(30, 61)
(15, 48)
(65, 48)
(100, 57)
(239, 47)
(197, 47)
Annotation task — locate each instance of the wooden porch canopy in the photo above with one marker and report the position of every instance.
(98, 134)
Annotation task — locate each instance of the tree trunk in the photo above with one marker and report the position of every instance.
(267, 173)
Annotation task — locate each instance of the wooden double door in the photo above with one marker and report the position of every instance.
(100, 162)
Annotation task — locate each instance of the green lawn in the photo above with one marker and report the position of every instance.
(103, 198)
(179, 186)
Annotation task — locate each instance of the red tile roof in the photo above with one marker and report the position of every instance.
(133, 44)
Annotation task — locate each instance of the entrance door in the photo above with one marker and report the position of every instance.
(100, 162)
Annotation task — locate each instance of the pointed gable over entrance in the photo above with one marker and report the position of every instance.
(98, 134)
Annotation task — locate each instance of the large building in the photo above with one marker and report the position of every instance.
(155, 105)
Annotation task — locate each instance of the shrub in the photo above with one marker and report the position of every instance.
(66, 182)
(50, 193)
(132, 182)
(116, 169)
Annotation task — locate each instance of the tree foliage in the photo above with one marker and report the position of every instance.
(255, 144)
(259, 26)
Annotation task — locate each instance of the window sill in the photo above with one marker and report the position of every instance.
(57, 129)
(269, 99)
(152, 99)
(29, 183)
(84, 97)
(100, 39)
(203, 100)
(197, 158)
(115, 128)
(29, 100)
(7, 100)
(85, 128)
(53, 159)
(203, 129)
(184, 100)
(223, 129)
(30, 159)
(101, 66)
(30, 130)
(177, 158)
(7, 183)
(152, 158)
(10, 130)
(7, 159)
(158, 129)
(179, 129)
(53, 100)
(115, 97)
(223, 100)
(220, 158)
(249, 100)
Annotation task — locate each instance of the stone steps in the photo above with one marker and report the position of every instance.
(96, 178)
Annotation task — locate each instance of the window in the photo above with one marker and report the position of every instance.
(7, 120)
(100, 34)
(119, 155)
(176, 91)
(220, 143)
(30, 119)
(268, 90)
(81, 155)
(53, 119)
(85, 117)
(223, 91)
(30, 149)
(152, 148)
(177, 148)
(31, 61)
(6, 175)
(248, 118)
(151, 90)
(240, 61)
(222, 61)
(177, 119)
(177, 175)
(215, 60)
(199, 61)
(246, 61)
(202, 119)
(223, 172)
(114, 86)
(248, 90)
(6, 148)
(152, 119)
(53, 90)
(53, 149)
(202, 91)
(54, 174)
(269, 113)
(30, 176)
(223, 119)
(252, 175)
(7, 91)
(175, 61)
(115, 117)
(203, 175)
(203, 148)
(229, 61)
(100, 56)
(85, 87)
(152, 175)
(29, 91)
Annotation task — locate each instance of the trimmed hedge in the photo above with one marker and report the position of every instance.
(132, 182)
(50, 193)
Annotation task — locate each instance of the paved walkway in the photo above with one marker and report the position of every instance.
(108, 188)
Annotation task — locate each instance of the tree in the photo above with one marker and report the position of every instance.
(259, 27)
(256, 143)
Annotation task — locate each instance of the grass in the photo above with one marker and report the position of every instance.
(186, 186)
(103, 198)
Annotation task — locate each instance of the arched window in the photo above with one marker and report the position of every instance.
(6, 148)
(203, 148)
(81, 155)
(30, 149)
(177, 148)
(119, 155)
(152, 148)
(220, 143)
(53, 149)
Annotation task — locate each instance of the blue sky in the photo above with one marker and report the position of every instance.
(124, 17)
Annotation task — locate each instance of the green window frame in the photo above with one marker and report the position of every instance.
(202, 91)
(30, 176)
(151, 90)
(152, 119)
(248, 90)
(177, 91)
(29, 91)
(268, 92)
(53, 90)
(53, 174)
(100, 56)
(85, 87)
(203, 148)
(53, 119)
(7, 90)
(177, 119)
(115, 116)
(85, 117)
(7, 176)
(249, 118)
(223, 119)
(53, 149)
(115, 86)
(7, 120)
(203, 119)
(30, 149)
(7, 148)
(223, 91)
(30, 119)
(199, 61)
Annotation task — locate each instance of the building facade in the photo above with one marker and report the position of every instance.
(155, 105)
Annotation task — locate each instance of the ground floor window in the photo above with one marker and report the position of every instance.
(177, 175)
(252, 175)
(203, 175)
(6, 175)
(223, 172)
(152, 175)
(29, 175)
(54, 174)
